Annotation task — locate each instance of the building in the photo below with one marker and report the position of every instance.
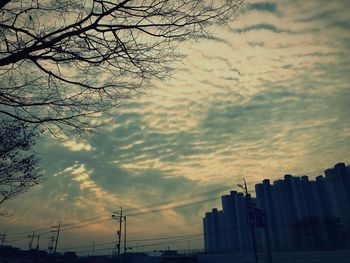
(299, 215)
(228, 229)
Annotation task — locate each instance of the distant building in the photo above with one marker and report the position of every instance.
(299, 214)
(227, 230)
(70, 257)
(13, 254)
(171, 256)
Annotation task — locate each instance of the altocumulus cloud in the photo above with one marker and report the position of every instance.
(267, 95)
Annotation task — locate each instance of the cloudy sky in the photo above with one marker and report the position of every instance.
(267, 95)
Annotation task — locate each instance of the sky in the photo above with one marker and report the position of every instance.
(264, 96)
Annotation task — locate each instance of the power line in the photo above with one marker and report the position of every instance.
(185, 238)
(170, 204)
(172, 207)
(172, 201)
(95, 220)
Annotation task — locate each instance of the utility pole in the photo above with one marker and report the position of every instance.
(57, 235)
(124, 234)
(118, 217)
(120, 232)
(31, 237)
(3, 238)
(50, 247)
(93, 248)
(37, 242)
(251, 227)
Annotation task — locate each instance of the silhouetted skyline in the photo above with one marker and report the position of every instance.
(266, 96)
(291, 214)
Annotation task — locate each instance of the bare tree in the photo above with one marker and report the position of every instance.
(63, 62)
(18, 163)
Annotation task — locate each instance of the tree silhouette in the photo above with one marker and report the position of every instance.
(63, 62)
(18, 163)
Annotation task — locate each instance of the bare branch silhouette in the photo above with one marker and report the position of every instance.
(64, 62)
(18, 163)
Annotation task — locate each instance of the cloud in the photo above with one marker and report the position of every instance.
(274, 29)
(269, 27)
(269, 101)
(77, 146)
(262, 7)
